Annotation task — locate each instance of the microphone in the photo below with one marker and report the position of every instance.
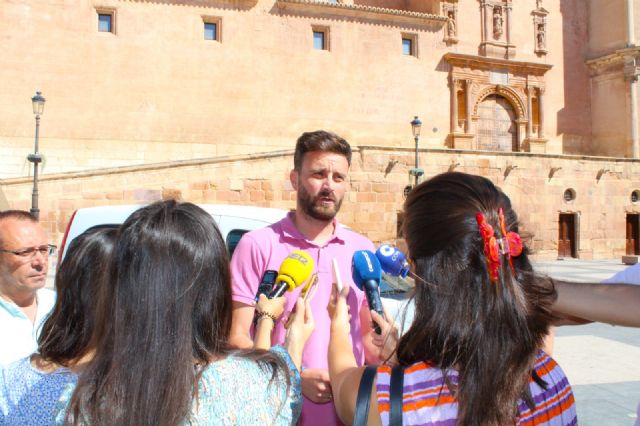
(392, 261)
(366, 274)
(395, 267)
(294, 271)
(266, 285)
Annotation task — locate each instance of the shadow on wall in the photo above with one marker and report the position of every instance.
(574, 120)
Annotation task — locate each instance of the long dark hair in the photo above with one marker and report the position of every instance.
(67, 332)
(167, 315)
(489, 331)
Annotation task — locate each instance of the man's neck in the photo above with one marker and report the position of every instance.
(318, 231)
(26, 301)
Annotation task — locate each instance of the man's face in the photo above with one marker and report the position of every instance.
(21, 274)
(321, 184)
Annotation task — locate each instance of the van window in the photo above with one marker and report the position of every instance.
(233, 238)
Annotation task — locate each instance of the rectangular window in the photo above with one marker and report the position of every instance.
(320, 38)
(210, 31)
(106, 20)
(212, 27)
(409, 44)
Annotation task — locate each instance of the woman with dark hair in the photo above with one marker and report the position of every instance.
(471, 355)
(30, 387)
(162, 355)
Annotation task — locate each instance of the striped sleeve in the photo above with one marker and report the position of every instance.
(555, 405)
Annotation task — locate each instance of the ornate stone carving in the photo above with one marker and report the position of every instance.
(451, 24)
(496, 32)
(474, 74)
(498, 20)
(540, 29)
(450, 10)
(541, 38)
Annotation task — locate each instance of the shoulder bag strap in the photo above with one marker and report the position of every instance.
(364, 396)
(395, 396)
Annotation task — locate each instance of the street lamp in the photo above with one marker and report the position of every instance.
(416, 125)
(38, 108)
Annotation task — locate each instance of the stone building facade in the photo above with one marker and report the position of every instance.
(203, 99)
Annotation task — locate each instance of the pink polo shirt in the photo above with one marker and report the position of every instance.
(266, 248)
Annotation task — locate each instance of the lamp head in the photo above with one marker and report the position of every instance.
(38, 103)
(416, 124)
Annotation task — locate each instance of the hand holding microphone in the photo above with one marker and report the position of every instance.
(366, 273)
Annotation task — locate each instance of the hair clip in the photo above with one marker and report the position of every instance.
(510, 244)
(491, 248)
(512, 241)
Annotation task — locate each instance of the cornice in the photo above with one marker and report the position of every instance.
(483, 62)
(616, 57)
(358, 10)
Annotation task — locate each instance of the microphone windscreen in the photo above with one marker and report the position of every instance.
(365, 267)
(295, 269)
(392, 261)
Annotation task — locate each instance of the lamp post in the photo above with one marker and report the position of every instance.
(38, 108)
(416, 125)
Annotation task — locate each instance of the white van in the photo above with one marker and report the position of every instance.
(233, 220)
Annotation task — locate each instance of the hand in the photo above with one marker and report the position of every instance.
(301, 323)
(387, 341)
(316, 385)
(274, 306)
(339, 309)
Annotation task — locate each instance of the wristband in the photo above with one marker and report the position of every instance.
(264, 314)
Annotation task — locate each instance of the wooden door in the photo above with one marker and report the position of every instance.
(567, 235)
(633, 234)
(497, 129)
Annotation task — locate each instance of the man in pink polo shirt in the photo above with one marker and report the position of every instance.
(321, 164)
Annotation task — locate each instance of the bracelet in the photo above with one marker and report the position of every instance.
(264, 314)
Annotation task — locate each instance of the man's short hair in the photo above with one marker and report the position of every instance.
(17, 215)
(320, 140)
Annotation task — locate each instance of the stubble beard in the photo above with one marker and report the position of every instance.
(312, 206)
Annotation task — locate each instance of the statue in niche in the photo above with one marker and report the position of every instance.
(541, 38)
(497, 21)
(451, 24)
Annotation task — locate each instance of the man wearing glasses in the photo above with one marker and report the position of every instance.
(24, 302)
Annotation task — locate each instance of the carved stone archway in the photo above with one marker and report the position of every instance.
(517, 105)
(473, 78)
(506, 92)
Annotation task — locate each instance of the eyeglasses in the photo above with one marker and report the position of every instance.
(46, 250)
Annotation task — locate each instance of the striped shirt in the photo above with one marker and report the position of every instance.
(427, 399)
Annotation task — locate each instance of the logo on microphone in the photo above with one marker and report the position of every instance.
(299, 257)
(369, 264)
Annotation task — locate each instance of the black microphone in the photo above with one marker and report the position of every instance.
(266, 284)
(366, 273)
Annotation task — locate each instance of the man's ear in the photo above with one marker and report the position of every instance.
(293, 177)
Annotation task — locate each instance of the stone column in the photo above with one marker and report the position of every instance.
(507, 10)
(485, 34)
(541, 113)
(635, 141)
(631, 38)
(454, 105)
(467, 104)
(529, 112)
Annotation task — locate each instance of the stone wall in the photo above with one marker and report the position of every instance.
(535, 182)
(156, 91)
